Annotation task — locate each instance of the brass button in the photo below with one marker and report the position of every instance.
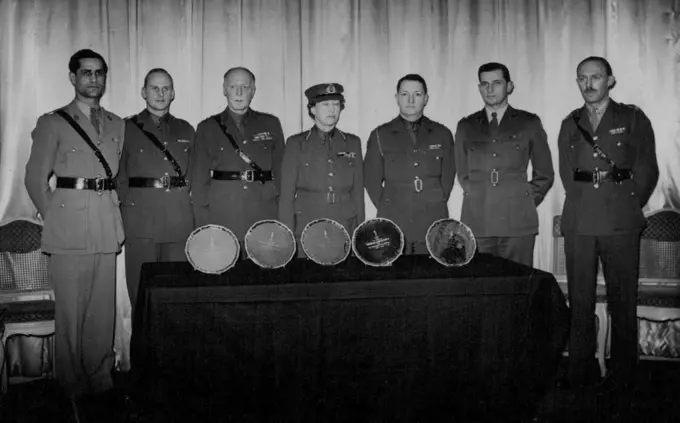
(330, 174)
(165, 143)
(495, 155)
(221, 148)
(493, 141)
(245, 186)
(245, 142)
(415, 164)
(62, 205)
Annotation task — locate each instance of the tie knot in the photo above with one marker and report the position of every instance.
(494, 115)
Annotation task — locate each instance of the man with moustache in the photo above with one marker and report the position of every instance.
(609, 169)
(493, 149)
(235, 175)
(409, 167)
(80, 144)
(152, 183)
(322, 175)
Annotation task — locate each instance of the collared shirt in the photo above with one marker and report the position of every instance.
(499, 112)
(87, 111)
(595, 114)
(323, 136)
(413, 125)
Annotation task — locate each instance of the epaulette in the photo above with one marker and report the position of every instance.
(309, 132)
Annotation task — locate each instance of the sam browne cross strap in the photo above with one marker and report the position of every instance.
(596, 176)
(98, 184)
(257, 174)
(166, 181)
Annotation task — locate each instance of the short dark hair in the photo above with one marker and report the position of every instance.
(74, 62)
(494, 66)
(158, 70)
(252, 75)
(602, 60)
(412, 77)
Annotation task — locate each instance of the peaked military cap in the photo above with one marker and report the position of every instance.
(323, 92)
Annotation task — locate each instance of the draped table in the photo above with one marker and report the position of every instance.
(412, 342)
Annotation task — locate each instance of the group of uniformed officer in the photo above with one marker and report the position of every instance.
(236, 170)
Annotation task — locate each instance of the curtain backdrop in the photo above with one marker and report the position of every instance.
(364, 45)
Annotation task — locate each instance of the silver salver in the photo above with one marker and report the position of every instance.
(325, 242)
(378, 242)
(212, 249)
(450, 243)
(270, 244)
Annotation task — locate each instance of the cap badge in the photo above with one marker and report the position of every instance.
(330, 89)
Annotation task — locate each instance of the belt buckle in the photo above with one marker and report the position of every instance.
(99, 185)
(248, 176)
(418, 184)
(494, 177)
(165, 182)
(596, 178)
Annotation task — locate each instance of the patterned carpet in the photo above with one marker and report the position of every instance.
(655, 399)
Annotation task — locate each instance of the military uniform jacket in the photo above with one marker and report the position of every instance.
(236, 204)
(626, 135)
(322, 181)
(394, 161)
(75, 221)
(154, 213)
(499, 200)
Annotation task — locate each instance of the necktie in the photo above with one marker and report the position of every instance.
(494, 120)
(94, 119)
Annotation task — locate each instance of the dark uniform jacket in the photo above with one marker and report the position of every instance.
(625, 134)
(499, 200)
(322, 181)
(395, 163)
(75, 221)
(236, 204)
(154, 213)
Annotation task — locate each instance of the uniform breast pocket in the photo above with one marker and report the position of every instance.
(519, 148)
(476, 153)
(433, 161)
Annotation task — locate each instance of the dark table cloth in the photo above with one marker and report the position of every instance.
(412, 342)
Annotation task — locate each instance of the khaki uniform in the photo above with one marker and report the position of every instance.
(602, 222)
(499, 203)
(409, 177)
(236, 204)
(83, 231)
(322, 178)
(157, 221)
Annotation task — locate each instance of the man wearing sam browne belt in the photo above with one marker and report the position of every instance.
(152, 183)
(609, 169)
(235, 175)
(81, 145)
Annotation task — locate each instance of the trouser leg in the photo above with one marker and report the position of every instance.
(519, 249)
(84, 291)
(137, 252)
(620, 262)
(581, 262)
(488, 245)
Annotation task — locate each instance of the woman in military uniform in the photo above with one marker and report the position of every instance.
(322, 174)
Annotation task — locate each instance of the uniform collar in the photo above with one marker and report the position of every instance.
(85, 109)
(500, 112)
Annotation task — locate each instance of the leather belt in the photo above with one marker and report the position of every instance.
(165, 182)
(96, 184)
(597, 176)
(245, 176)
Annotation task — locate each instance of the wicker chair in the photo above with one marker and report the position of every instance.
(26, 303)
(659, 293)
